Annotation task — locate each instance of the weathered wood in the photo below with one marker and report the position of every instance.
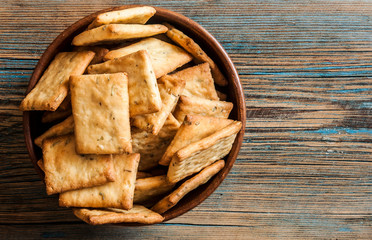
(305, 169)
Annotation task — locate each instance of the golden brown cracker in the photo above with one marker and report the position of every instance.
(198, 155)
(101, 113)
(199, 82)
(66, 170)
(201, 178)
(62, 128)
(193, 129)
(100, 52)
(201, 106)
(170, 89)
(152, 147)
(116, 33)
(144, 96)
(194, 49)
(118, 194)
(138, 214)
(136, 15)
(148, 188)
(165, 57)
(52, 88)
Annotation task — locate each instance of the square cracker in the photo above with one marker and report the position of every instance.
(52, 88)
(194, 49)
(117, 33)
(199, 82)
(165, 57)
(118, 194)
(193, 129)
(198, 155)
(62, 128)
(151, 187)
(201, 106)
(101, 115)
(66, 170)
(170, 89)
(144, 96)
(152, 147)
(201, 178)
(139, 15)
(138, 214)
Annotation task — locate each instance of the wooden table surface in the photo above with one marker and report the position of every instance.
(305, 168)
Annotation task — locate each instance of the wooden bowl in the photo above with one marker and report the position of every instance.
(32, 120)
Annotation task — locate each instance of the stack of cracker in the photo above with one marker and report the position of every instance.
(139, 125)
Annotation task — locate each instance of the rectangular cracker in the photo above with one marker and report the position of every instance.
(165, 57)
(194, 49)
(170, 89)
(201, 106)
(66, 170)
(116, 33)
(138, 15)
(144, 96)
(138, 214)
(193, 129)
(152, 147)
(151, 187)
(201, 178)
(101, 113)
(62, 128)
(198, 155)
(118, 194)
(199, 82)
(52, 87)
(100, 52)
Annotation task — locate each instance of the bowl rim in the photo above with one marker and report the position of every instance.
(178, 20)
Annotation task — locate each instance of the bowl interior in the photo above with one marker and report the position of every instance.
(32, 120)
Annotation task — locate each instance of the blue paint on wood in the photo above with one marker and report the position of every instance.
(345, 229)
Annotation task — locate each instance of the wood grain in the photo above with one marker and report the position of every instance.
(305, 169)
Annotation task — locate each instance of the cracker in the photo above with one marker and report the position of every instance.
(170, 89)
(198, 155)
(193, 129)
(194, 49)
(139, 15)
(118, 194)
(100, 111)
(201, 178)
(52, 88)
(138, 214)
(148, 188)
(100, 52)
(116, 33)
(199, 82)
(152, 147)
(201, 106)
(165, 57)
(66, 170)
(62, 128)
(144, 96)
